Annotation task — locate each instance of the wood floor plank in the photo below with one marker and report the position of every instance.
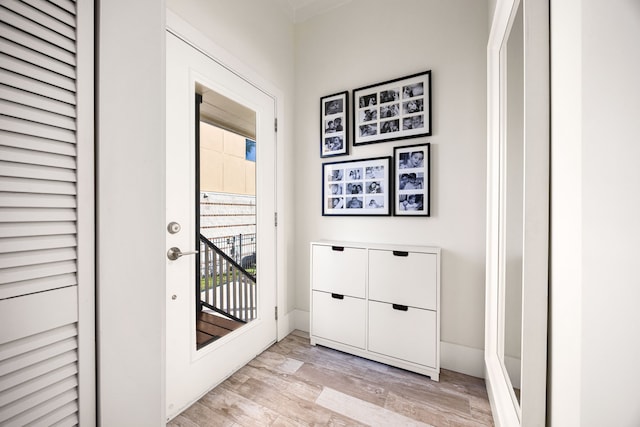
(352, 385)
(181, 421)
(210, 329)
(202, 416)
(238, 408)
(232, 325)
(295, 384)
(291, 407)
(364, 412)
(203, 339)
(416, 411)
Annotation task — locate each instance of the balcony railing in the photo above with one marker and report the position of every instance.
(226, 287)
(240, 247)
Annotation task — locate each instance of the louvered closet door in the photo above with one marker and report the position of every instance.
(47, 297)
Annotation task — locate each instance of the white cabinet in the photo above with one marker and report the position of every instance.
(378, 301)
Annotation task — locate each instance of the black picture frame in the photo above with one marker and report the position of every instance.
(392, 110)
(412, 175)
(361, 187)
(334, 125)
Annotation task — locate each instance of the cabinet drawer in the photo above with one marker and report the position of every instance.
(407, 278)
(339, 319)
(339, 269)
(408, 335)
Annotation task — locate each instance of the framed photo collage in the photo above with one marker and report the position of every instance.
(389, 111)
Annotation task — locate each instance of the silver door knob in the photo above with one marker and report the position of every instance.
(175, 253)
(173, 227)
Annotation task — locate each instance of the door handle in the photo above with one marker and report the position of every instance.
(175, 253)
(400, 253)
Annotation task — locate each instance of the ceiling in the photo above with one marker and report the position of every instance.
(220, 111)
(223, 112)
(301, 10)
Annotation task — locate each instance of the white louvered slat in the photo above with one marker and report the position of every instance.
(38, 59)
(28, 142)
(36, 129)
(47, 22)
(31, 114)
(16, 66)
(40, 403)
(22, 362)
(64, 416)
(18, 155)
(18, 244)
(38, 31)
(39, 382)
(21, 259)
(27, 40)
(40, 102)
(28, 200)
(42, 340)
(52, 10)
(68, 5)
(23, 170)
(36, 214)
(18, 274)
(25, 185)
(51, 363)
(28, 84)
(37, 229)
(25, 287)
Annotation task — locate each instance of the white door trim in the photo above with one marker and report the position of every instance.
(86, 222)
(532, 406)
(193, 37)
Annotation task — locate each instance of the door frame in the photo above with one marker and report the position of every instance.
(532, 407)
(196, 39)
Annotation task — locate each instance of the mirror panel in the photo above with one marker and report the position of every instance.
(517, 212)
(513, 198)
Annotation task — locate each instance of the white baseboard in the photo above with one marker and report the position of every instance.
(463, 359)
(300, 320)
(455, 357)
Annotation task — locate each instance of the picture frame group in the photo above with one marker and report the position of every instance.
(357, 187)
(334, 125)
(398, 185)
(391, 110)
(412, 177)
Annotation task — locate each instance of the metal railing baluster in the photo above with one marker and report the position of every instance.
(229, 289)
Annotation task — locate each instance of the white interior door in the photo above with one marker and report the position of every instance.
(47, 215)
(192, 372)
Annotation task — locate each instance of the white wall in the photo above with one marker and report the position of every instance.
(595, 289)
(260, 37)
(130, 184)
(370, 41)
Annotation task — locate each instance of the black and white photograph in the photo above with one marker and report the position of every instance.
(412, 192)
(333, 125)
(406, 101)
(357, 187)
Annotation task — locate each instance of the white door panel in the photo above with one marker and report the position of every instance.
(192, 372)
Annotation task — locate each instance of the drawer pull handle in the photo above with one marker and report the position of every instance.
(337, 248)
(400, 307)
(337, 296)
(400, 253)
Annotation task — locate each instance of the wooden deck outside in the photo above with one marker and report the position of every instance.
(210, 327)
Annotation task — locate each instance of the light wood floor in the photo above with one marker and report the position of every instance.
(295, 384)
